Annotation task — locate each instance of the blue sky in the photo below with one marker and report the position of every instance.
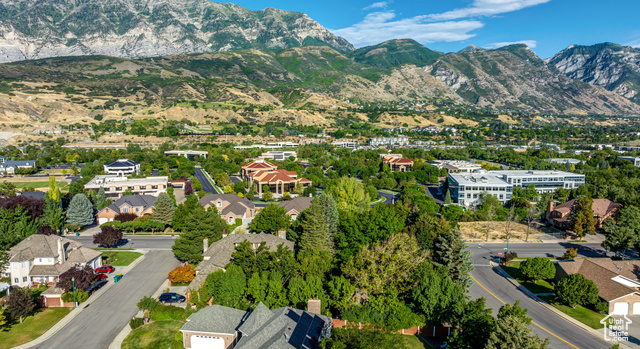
(547, 26)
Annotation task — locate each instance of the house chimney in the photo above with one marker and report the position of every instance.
(282, 234)
(314, 306)
(61, 257)
(205, 245)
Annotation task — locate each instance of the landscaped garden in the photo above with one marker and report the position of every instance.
(537, 286)
(31, 327)
(156, 335)
(119, 258)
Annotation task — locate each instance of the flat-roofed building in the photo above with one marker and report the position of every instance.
(189, 154)
(465, 188)
(456, 166)
(544, 181)
(122, 167)
(565, 161)
(634, 159)
(397, 163)
(114, 186)
(384, 141)
(276, 155)
(345, 144)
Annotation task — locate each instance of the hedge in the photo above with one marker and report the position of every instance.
(81, 296)
(136, 322)
(134, 226)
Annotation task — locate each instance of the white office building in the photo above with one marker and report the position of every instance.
(544, 181)
(276, 155)
(122, 167)
(634, 159)
(465, 188)
(456, 166)
(384, 141)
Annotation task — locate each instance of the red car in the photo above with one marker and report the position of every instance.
(105, 269)
(101, 276)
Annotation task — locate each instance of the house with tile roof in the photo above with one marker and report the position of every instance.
(617, 281)
(122, 167)
(397, 163)
(222, 327)
(218, 254)
(230, 207)
(278, 181)
(139, 205)
(257, 166)
(40, 259)
(296, 205)
(560, 216)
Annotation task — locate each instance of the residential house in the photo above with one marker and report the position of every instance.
(617, 281)
(257, 166)
(397, 163)
(122, 167)
(9, 167)
(295, 206)
(222, 327)
(559, 216)
(230, 206)
(114, 186)
(40, 259)
(139, 205)
(218, 255)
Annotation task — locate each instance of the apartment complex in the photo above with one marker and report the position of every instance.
(114, 186)
(385, 141)
(122, 167)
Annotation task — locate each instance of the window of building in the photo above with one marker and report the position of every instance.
(137, 209)
(219, 203)
(125, 209)
(294, 216)
(16, 280)
(230, 220)
(24, 265)
(24, 279)
(40, 260)
(15, 265)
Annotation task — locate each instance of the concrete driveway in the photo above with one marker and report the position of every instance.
(101, 321)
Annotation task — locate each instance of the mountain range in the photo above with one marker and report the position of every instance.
(159, 54)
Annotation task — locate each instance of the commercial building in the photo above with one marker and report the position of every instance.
(189, 154)
(122, 167)
(278, 181)
(456, 166)
(257, 166)
(386, 141)
(397, 163)
(565, 161)
(276, 155)
(634, 159)
(544, 181)
(345, 144)
(465, 189)
(114, 186)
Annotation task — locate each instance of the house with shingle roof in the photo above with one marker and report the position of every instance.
(40, 259)
(283, 328)
(139, 205)
(218, 254)
(617, 281)
(295, 206)
(560, 216)
(230, 206)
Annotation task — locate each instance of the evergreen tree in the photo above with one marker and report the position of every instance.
(101, 199)
(182, 212)
(52, 214)
(513, 332)
(451, 252)
(200, 223)
(320, 223)
(163, 209)
(54, 192)
(80, 210)
(447, 198)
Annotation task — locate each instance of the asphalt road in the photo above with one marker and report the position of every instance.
(497, 291)
(206, 185)
(389, 198)
(100, 322)
(159, 242)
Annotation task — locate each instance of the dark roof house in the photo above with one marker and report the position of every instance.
(230, 206)
(295, 206)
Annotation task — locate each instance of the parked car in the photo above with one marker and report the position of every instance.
(105, 269)
(171, 297)
(96, 286)
(101, 276)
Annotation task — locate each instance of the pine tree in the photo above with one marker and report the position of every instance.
(52, 214)
(451, 252)
(200, 223)
(447, 198)
(101, 199)
(163, 209)
(320, 223)
(54, 192)
(80, 210)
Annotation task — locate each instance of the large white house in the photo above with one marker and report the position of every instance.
(40, 259)
(122, 167)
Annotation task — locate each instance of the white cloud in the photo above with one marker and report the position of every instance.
(486, 8)
(529, 43)
(634, 43)
(381, 4)
(377, 27)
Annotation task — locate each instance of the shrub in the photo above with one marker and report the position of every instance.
(125, 217)
(602, 307)
(576, 289)
(538, 268)
(286, 196)
(81, 296)
(183, 274)
(136, 322)
(508, 257)
(570, 253)
(167, 312)
(148, 303)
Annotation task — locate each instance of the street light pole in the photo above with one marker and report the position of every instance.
(73, 282)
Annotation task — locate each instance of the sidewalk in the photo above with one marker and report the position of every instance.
(75, 312)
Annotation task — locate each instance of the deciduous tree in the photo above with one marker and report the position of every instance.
(271, 219)
(20, 304)
(576, 289)
(182, 274)
(83, 275)
(581, 218)
(52, 214)
(349, 194)
(107, 237)
(538, 268)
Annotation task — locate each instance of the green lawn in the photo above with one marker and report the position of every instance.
(156, 335)
(118, 258)
(32, 327)
(580, 313)
(21, 185)
(540, 286)
(413, 342)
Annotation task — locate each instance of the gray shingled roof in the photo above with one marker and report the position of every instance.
(132, 200)
(298, 204)
(218, 255)
(236, 208)
(122, 163)
(40, 246)
(231, 198)
(214, 319)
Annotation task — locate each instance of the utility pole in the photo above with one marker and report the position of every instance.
(73, 283)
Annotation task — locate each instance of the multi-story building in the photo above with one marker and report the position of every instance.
(397, 163)
(230, 206)
(114, 186)
(456, 166)
(9, 167)
(278, 181)
(276, 155)
(345, 144)
(465, 188)
(122, 167)
(565, 161)
(544, 181)
(385, 141)
(139, 205)
(257, 166)
(634, 159)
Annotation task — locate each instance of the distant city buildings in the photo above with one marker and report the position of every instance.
(345, 144)
(114, 186)
(565, 161)
(456, 166)
(386, 141)
(122, 167)
(276, 155)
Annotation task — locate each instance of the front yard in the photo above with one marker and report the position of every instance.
(119, 258)
(580, 313)
(156, 335)
(32, 327)
(540, 286)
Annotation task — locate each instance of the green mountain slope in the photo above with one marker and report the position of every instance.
(395, 53)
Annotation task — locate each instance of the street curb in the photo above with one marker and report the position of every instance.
(551, 308)
(75, 312)
(117, 342)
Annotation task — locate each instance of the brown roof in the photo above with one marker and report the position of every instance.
(275, 176)
(601, 207)
(259, 164)
(230, 198)
(298, 204)
(601, 271)
(40, 246)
